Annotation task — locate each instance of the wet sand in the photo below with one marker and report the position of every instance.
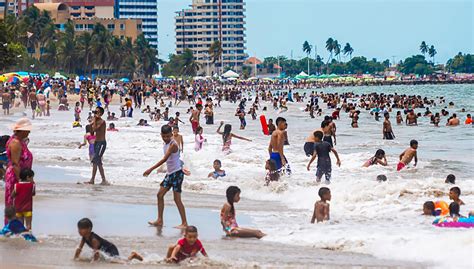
(61, 202)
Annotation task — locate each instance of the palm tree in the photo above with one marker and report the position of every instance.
(330, 47)
(307, 49)
(146, 56)
(67, 48)
(423, 48)
(337, 49)
(348, 50)
(100, 43)
(215, 52)
(432, 52)
(84, 51)
(190, 66)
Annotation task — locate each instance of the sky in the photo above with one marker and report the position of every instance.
(382, 29)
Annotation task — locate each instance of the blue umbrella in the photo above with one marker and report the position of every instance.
(81, 78)
(125, 80)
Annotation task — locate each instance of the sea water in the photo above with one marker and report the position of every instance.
(381, 219)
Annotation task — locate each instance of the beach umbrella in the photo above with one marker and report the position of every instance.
(3, 78)
(125, 80)
(81, 78)
(230, 74)
(13, 80)
(57, 75)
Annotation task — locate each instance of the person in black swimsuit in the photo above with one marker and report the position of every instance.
(97, 243)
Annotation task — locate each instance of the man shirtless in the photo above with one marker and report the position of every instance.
(411, 118)
(33, 102)
(6, 100)
(454, 121)
(194, 119)
(408, 155)
(99, 128)
(387, 128)
(277, 141)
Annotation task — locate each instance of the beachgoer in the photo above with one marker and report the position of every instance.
(451, 179)
(194, 119)
(378, 158)
(272, 172)
(112, 128)
(321, 207)
(22, 194)
(178, 138)
(453, 121)
(408, 155)
(173, 179)
(227, 136)
(186, 247)
(19, 157)
(321, 151)
(6, 99)
(387, 131)
(218, 172)
(89, 138)
(228, 219)
(454, 194)
(100, 145)
(97, 243)
(198, 139)
(15, 227)
(277, 141)
(468, 119)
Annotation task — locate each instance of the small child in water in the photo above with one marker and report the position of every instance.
(450, 179)
(454, 194)
(198, 139)
(218, 172)
(22, 194)
(112, 128)
(15, 227)
(321, 207)
(272, 172)
(97, 243)
(186, 247)
(378, 158)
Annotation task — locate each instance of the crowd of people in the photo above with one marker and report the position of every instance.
(205, 97)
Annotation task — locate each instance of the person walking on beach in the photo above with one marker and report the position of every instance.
(99, 128)
(6, 99)
(173, 179)
(19, 157)
(277, 141)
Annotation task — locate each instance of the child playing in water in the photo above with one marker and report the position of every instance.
(186, 247)
(89, 138)
(22, 194)
(272, 172)
(408, 155)
(439, 208)
(228, 220)
(227, 136)
(15, 227)
(321, 207)
(218, 172)
(321, 151)
(173, 179)
(97, 243)
(378, 158)
(112, 128)
(454, 194)
(198, 139)
(451, 179)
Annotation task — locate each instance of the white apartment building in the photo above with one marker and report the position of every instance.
(208, 21)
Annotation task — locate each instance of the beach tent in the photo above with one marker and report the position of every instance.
(323, 76)
(333, 76)
(57, 75)
(230, 74)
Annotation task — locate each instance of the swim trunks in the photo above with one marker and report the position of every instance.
(326, 171)
(328, 139)
(6, 105)
(27, 214)
(276, 157)
(388, 136)
(308, 148)
(400, 166)
(99, 150)
(194, 125)
(174, 180)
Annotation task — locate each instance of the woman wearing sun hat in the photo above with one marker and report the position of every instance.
(19, 157)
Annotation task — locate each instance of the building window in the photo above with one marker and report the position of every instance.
(139, 26)
(111, 27)
(122, 26)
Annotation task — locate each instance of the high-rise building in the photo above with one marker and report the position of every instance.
(208, 21)
(145, 10)
(14, 7)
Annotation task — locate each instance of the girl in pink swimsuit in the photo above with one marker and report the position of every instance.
(227, 136)
(89, 138)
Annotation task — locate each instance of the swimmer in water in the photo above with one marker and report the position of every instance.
(378, 158)
(218, 172)
(227, 136)
(408, 155)
(454, 194)
(277, 141)
(321, 207)
(321, 151)
(387, 128)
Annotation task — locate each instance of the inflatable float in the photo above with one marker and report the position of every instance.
(263, 122)
(448, 222)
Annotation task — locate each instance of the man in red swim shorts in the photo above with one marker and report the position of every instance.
(194, 119)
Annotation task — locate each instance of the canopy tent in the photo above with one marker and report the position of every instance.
(302, 75)
(230, 74)
(57, 75)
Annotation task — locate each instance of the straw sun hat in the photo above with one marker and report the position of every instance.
(23, 124)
